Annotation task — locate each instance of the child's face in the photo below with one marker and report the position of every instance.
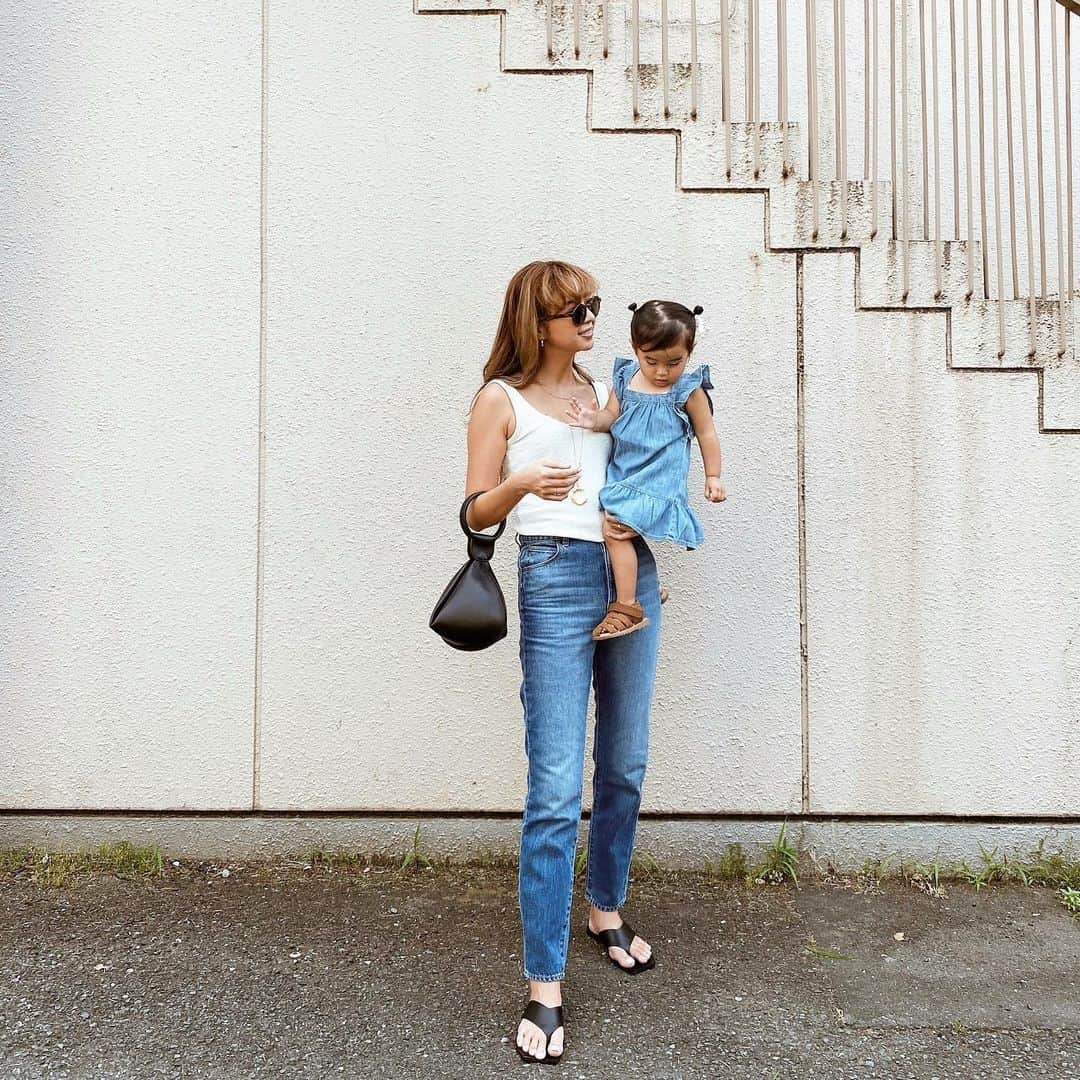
(661, 367)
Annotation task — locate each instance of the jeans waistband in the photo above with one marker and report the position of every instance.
(526, 538)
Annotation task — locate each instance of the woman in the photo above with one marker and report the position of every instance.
(525, 457)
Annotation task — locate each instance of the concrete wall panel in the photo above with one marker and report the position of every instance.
(394, 226)
(943, 573)
(128, 404)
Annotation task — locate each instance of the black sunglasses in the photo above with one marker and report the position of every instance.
(578, 313)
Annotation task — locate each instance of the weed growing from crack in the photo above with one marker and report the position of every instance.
(1070, 901)
(814, 949)
(731, 866)
(57, 868)
(780, 862)
(581, 860)
(415, 857)
(645, 864)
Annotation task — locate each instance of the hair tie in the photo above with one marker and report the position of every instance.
(698, 310)
(633, 307)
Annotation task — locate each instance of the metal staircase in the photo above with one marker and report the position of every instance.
(915, 217)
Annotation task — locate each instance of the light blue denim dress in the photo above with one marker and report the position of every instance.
(646, 478)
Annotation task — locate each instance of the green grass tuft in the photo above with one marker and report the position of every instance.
(814, 949)
(415, 857)
(581, 860)
(644, 864)
(733, 865)
(57, 868)
(780, 862)
(1070, 901)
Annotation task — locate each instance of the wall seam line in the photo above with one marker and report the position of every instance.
(800, 425)
(458, 814)
(256, 762)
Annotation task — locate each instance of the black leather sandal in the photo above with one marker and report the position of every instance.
(620, 938)
(547, 1018)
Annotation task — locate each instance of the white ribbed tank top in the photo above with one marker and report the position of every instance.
(537, 435)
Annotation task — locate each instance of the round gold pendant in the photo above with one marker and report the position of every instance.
(578, 496)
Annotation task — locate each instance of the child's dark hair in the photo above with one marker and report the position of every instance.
(662, 324)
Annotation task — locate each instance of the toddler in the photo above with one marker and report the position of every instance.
(654, 411)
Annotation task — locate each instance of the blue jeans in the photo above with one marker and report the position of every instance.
(564, 587)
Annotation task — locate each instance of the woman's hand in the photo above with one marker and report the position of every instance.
(613, 529)
(547, 479)
(714, 489)
(581, 414)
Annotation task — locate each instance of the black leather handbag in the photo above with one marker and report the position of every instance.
(471, 613)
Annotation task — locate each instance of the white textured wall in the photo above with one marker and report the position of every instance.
(943, 573)
(129, 225)
(396, 219)
(407, 179)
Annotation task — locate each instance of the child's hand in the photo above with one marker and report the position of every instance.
(714, 489)
(581, 414)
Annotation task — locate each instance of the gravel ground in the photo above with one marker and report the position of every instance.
(277, 970)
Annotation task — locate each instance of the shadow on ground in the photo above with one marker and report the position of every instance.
(285, 972)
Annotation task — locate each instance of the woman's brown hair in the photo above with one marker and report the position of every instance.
(537, 290)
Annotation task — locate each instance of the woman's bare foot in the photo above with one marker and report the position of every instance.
(529, 1037)
(640, 949)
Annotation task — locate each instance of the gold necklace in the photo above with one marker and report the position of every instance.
(578, 495)
(550, 394)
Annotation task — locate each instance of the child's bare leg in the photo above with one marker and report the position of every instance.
(624, 567)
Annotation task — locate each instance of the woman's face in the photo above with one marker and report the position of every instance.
(562, 334)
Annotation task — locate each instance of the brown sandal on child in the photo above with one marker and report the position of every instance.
(620, 619)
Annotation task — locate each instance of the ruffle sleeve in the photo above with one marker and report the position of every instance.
(622, 373)
(688, 383)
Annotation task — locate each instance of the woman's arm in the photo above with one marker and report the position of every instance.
(489, 430)
(697, 408)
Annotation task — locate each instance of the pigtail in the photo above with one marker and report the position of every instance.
(659, 324)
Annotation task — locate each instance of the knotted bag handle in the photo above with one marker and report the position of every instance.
(481, 545)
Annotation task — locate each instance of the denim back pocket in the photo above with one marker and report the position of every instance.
(536, 553)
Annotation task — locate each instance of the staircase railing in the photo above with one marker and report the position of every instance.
(965, 107)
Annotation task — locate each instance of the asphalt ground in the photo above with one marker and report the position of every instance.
(278, 970)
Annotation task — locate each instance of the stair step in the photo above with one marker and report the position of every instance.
(854, 214)
(525, 32)
(975, 344)
(1060, 402)
(881, 274)
(975, 330)
(705, 164)
(845, 213)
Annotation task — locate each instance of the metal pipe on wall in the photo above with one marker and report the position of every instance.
(983, 233)
(1058, 180)
(812, 118)
(782, 87)
(1069, 150)
(725, 81)
(664, 57)
(967, 155)
(905, 233)
(996, 125)
(840, 121)
(1009, 144)
(693, 60)
(1027, 182)
(937, 158)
